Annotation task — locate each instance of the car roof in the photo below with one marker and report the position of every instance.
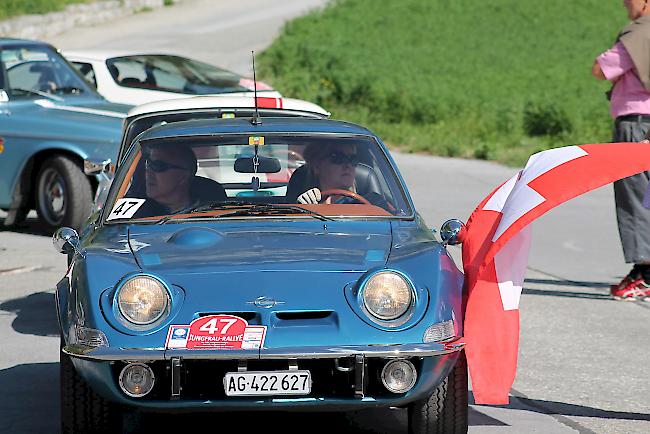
(103, 55)
(11, 42)
(211, 101)
(204, 127)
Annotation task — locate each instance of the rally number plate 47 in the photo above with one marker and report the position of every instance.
(293, 382)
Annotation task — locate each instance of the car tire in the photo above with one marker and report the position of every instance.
(82, 410)
(63, 194)
(446, 410)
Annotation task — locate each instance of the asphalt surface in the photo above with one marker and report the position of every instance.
(583, 357)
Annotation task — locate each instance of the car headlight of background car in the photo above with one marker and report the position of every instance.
(388, 298)
(143, 301)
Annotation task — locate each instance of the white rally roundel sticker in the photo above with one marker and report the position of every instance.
(223, 332)
(125, 208)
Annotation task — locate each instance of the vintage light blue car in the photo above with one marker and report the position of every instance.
(51, 120)
(273, 262)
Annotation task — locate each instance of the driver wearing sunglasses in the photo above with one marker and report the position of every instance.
(169, 172)
(332, 166)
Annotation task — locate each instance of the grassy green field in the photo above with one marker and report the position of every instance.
(11, 8)
(492, 79)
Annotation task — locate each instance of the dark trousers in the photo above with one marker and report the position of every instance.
(633, 219)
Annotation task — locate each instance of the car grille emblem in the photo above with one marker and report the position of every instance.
(265, 302)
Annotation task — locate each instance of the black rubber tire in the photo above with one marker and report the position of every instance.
(82, 410)
(76, 193)
(446, 410)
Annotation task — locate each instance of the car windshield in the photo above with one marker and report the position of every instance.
(240, 176)
(36, 72)
(173, 74)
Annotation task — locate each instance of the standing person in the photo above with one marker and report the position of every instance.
(627, 66)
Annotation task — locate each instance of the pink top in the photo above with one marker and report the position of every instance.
(628, 96)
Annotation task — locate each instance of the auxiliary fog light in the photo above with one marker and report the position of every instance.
(136, 379)
(399, 376)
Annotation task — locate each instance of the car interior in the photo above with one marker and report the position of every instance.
(276, 173)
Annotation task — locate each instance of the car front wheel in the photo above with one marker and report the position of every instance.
(82, 410)
(63, 193)
(445, 411)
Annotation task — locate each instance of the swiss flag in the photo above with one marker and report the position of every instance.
(497, 242)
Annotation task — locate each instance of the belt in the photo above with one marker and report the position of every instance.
(633, 118)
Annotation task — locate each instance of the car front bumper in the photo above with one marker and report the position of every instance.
(333, 352)
(333, 390)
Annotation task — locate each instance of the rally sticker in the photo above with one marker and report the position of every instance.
(255, 140)
(125, 208)
(223, 332)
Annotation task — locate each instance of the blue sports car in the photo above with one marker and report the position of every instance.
(51, 120)
(272, 263)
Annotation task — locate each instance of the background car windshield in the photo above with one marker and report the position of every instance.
(352, 175)
(33, 72)
(173, 74)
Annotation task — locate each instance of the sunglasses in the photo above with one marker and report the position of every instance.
(160, 166)
(341, 158)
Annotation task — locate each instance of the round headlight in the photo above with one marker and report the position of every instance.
(143, 300)
(387, 295)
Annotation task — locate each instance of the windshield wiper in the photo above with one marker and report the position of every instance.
(37, 92)
(245, 208)
(203, 207)
(271, 208)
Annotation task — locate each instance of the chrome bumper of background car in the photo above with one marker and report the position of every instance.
(384, 351)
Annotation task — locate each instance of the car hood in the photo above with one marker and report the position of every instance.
(73, 120)
(300, 268)
(241, 248)
(86, 106)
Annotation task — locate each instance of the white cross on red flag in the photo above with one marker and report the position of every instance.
(497, 242)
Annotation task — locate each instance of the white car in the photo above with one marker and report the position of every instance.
(139, 78)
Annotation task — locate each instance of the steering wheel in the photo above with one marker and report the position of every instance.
(340, 192)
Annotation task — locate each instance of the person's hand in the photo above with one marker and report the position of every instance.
(311, 196)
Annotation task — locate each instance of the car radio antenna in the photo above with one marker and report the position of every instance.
(256, 116)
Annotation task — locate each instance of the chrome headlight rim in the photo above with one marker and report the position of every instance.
(142, 326)
(387, 322)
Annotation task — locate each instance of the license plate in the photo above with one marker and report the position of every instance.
(267, 383)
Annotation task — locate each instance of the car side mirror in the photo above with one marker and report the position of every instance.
(95, 167)
(66, 240)
(452, 232)
(3, 96)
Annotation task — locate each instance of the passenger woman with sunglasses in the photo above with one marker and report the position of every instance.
(331, 167)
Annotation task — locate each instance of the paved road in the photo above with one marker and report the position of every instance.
(583, 356)
(215, 31)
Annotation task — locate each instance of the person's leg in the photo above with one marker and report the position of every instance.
(633, 220)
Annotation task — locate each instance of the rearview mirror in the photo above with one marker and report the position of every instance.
(264, 165)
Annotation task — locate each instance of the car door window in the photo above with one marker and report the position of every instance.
(87, 71)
